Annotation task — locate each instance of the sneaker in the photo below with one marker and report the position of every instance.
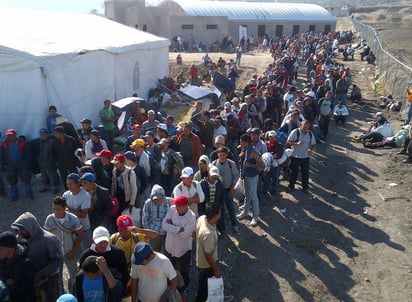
(242, 215)
(407, 161)
(254, 221)
(236, 230)
(228, 298)
(402, 152)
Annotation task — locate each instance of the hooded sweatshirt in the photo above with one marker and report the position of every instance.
(199, 175)
(43, 248)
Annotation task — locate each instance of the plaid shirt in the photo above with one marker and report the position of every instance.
(153, 215)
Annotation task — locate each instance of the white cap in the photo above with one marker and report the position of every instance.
(214, 171)
(311, 94)
(187, 172)
(100, 234)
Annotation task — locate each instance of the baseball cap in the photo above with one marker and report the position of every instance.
(151, 112)
(67, 298)
(74, 176)
(272, 133)
(164, 141)
(311, 94)
(100, 234)
(162, 126)
(10, 132)
(187, 172)
(149, 133)
(8, 239)
(235, 100)
(157, 191)
(220, 139)
(105, 153)
(43, 131)
(141, 251)
(214, 171)
(85, 121)
(123, 222)
(118, 158)
(227, 105)
(136, 126)
(180, 201)
(130, 155)
(137, 142)
(255, 131)
(88, 176)
(95, 132)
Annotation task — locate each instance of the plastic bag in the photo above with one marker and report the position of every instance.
(215, 290)
(135, 214)
(239, 190)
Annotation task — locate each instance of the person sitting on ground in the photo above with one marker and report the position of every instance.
(356, 94)
(407, 146)
(340, 113)
(378, 131)
(96, 280)
(370, 58)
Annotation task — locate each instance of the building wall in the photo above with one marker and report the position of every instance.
(169, 21)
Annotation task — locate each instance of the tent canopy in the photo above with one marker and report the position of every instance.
(73, 61)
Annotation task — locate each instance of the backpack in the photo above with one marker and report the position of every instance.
(155, 169)
(117, 236)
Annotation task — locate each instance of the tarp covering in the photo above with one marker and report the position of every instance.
(72, 61)
(197, 93)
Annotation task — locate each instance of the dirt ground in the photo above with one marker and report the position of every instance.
(350, 241)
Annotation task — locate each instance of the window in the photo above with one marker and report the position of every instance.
(144, 27)
(327, 29)
(279, 31)
(187, 26)
(295, 30)
(211, 26)
(312, 27)
(136, 26)
(136, 76)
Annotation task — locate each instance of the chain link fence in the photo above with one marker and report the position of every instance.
(394, 76)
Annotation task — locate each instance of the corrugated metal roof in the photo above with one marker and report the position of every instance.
(256, 10)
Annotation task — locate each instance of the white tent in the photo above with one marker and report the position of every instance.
(72, 61)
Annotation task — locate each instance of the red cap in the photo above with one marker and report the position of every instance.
(136, 126)
(10, 132)
(118, 158)
(123, 222)
(105, 153)
(180, 200)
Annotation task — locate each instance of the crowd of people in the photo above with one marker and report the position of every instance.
(128, 223)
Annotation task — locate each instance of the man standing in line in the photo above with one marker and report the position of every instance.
(251, 164)
(107, 117)
(206, 249)
(302, 142)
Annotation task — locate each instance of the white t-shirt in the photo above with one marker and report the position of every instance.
(80, 200)
(152, 277)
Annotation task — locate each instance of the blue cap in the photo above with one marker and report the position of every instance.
(130, 155)
(149, 133)
(66, 298)
(88, 176)
(141, 251)
(43, 131)
(74, 176)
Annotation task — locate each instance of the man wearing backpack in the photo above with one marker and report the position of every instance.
(126, 240)
(302, 142)
(169, 160)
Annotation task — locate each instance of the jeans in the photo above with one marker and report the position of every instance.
(14, 171)
(340, 97)
(108, 136)
(408, 114)
(271, 181)
(251, 184)
(182, 264)
(86, 241)
(204, 274)
(303, 164)
(324, 121)
(49, 176)
(230, 208)
(232, 145)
